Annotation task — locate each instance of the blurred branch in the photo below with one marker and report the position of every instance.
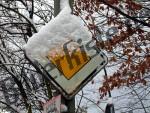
(28, 20)
(124, 14)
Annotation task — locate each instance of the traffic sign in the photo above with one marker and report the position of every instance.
(71, 71)
(53, 105)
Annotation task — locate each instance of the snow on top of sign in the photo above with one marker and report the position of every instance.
(59, 30)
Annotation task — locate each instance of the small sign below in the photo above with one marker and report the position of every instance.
(53, 105)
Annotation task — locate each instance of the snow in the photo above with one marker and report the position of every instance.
(53, 35)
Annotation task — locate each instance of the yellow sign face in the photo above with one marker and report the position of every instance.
(70, 64)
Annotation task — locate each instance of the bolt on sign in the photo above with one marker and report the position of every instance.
(53, 105)
(70, 71)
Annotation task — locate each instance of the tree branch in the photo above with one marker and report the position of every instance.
(31, 24)
(124, 14)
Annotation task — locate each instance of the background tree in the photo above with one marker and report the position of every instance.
(121, 28)
(21, 84)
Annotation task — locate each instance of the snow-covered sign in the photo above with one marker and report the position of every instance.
(53, 105)
(65, 52)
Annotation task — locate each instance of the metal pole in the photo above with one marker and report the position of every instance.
(56, 7)
(69, 103)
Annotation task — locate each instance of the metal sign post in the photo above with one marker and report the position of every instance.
(70, 72)
(110, 108)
